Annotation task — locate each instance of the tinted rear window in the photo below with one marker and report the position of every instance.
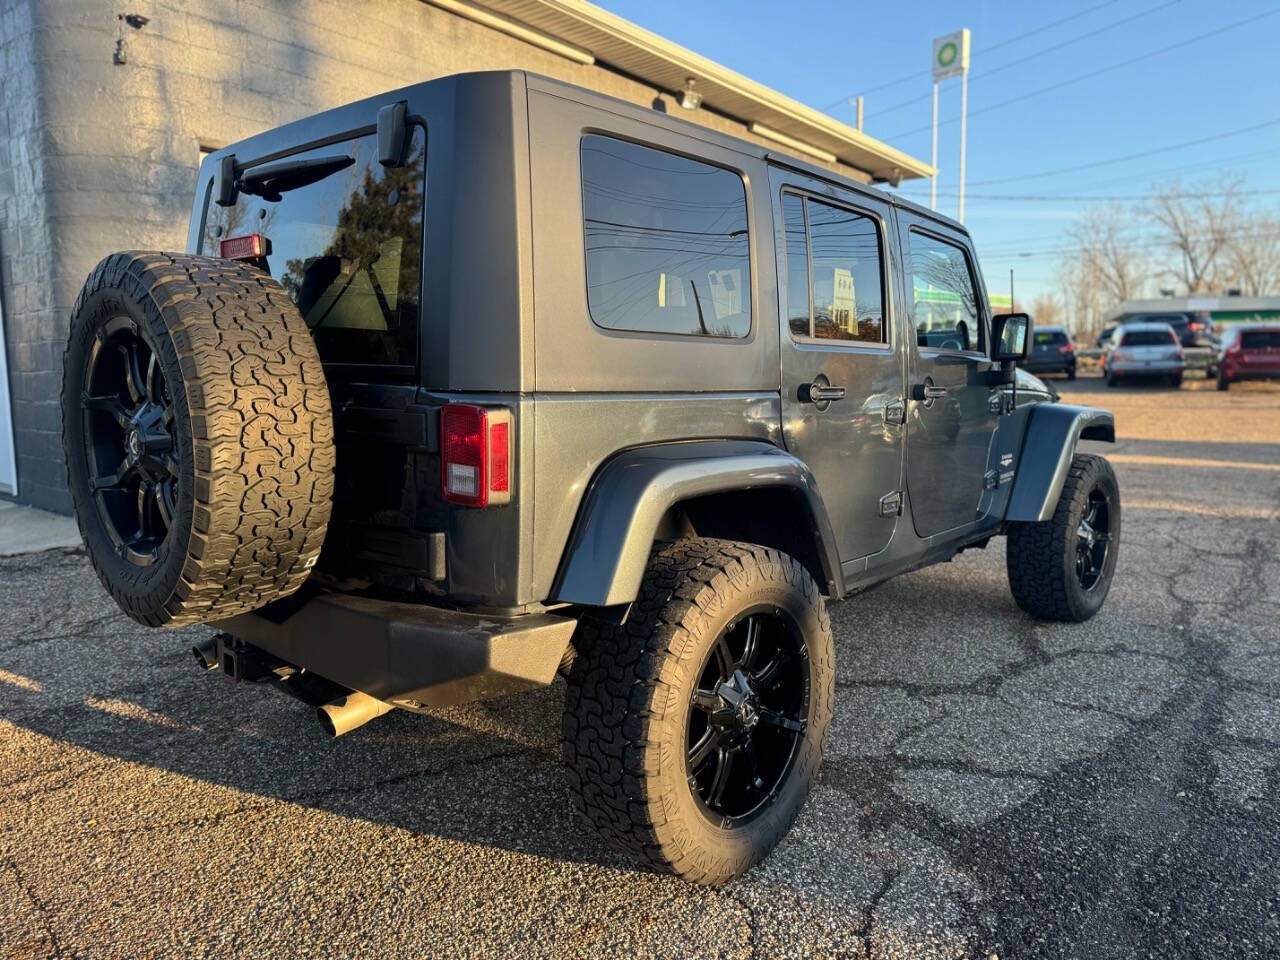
(1147, 338)
(347, 248)
(1047, 338)
(666, 242)
(1259, 339)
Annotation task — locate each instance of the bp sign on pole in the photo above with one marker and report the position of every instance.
(951, 55)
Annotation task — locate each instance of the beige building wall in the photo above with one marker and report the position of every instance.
(102, 156)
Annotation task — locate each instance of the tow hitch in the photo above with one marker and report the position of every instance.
(338, 709)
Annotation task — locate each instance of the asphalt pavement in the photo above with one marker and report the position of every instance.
(993, 785)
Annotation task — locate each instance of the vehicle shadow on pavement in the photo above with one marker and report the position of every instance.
(989, 779)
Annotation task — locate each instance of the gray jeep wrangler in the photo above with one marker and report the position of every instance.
(492, 378)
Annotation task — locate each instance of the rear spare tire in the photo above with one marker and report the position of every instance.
(198, 436)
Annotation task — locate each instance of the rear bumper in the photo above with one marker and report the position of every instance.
(1056, 364)
(409, 654)
(1236, 374)
(1153, 368)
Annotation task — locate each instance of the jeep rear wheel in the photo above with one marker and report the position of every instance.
(1061, 569)
(693, 732)
(198, 436)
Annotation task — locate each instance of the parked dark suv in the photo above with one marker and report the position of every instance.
(1052, 351)
(494, 377)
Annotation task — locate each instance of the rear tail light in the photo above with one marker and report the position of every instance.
(249, 247)
(475, 455)
(1067, 348)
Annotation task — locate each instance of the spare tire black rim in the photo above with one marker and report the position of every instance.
(128, 436)
(1093, 539)
(747, 716)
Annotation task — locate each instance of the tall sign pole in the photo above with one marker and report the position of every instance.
(933, 181)
(951, 57)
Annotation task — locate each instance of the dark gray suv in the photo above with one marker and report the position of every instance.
(492, 378)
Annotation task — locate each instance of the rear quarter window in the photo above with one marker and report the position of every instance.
(347, 248)
(667, 249)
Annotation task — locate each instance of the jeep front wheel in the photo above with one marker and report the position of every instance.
(1061, 569)
(198, 436)
(694, 731)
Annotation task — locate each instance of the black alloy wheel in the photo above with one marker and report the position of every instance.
(1093, 539)
(128, 437)
(747, 716)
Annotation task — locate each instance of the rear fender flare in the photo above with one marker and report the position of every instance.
(608, 551)
(1048, 446)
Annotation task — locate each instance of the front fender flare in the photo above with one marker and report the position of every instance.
(1048, 446)
(605, 559)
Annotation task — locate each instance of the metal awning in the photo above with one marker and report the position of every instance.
(589, 34)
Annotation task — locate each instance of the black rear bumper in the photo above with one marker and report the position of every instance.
(409, 654)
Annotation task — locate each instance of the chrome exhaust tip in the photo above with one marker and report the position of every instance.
(352, 711)
(206, 653)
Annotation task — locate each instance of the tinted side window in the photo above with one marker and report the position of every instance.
(838, 272)
(945, 296)
(799, 318)
(347, 247)
(845, 250)
(666, 242)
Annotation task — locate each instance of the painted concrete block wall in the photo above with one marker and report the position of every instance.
(103, 157)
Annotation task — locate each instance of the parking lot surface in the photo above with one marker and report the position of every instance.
(993, 785)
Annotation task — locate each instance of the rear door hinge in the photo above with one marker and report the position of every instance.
(891, 504)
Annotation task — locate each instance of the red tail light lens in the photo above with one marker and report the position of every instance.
(475, 455)
(499, 458)
(1067, 348)
(248, 247)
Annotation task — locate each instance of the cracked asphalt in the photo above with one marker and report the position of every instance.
(993, 785)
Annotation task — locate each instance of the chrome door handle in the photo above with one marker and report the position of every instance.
(927, 391)
(820, 393)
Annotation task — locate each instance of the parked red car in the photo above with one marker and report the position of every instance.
(1248, 352)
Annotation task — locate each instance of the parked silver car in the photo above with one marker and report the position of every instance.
(1143, 350)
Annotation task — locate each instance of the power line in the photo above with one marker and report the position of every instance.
(1133, 245)
(1131, 156)
(1039, 53)
(1041, 198)
(916, 75)
(1095, 73)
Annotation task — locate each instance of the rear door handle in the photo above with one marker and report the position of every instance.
(821, 393)
(927, 391)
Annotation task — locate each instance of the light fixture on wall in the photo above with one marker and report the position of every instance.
(135, 20)
(690, 98)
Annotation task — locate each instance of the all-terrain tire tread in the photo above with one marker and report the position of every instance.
(616, 694)
(1038, 577)
(261, 429)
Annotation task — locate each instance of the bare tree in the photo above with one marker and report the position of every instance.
(1253, 257)
(1107, 257)
(1047, 311)
(1199, 226)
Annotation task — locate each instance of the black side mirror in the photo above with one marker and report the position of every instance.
(1010, 335)
(393, 132)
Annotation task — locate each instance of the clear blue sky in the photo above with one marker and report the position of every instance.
(1144, 97)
